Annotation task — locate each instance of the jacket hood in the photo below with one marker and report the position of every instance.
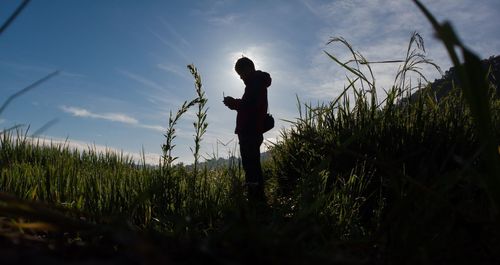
(260, 78)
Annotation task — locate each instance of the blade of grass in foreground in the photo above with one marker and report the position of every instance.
(26, 89)
(472, 77)
(12, 17)
(38, 211)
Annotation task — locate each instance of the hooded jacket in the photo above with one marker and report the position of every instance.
(252, 107)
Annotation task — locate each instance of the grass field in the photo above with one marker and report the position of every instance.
(405, 180)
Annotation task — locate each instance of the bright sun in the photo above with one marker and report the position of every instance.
(258, 54)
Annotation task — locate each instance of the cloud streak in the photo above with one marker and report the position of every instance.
(157, 94)
(116, 117)
(379, 34)
(223, 20)
(142, 80)
(173, 69)
(110, 116)
(174, 33)
(171, 45)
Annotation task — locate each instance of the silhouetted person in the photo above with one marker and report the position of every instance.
(252, 109)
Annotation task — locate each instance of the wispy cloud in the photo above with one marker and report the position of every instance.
(378, 33)
(38, 69)
(165, 104)
(368, 25)
(311, 7)
(175, 33)
(179, 51)
(26, 67)
(114, 117)
(71, 74)
(224, 20)
(153, 127)
(162, 97)
(143, 80)
(174, 69)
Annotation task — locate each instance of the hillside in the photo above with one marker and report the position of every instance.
(444, 85)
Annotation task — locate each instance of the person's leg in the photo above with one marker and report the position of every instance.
(245, 154)
(250, 156)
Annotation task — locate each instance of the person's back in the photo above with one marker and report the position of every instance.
(253, 105)
(251, 111)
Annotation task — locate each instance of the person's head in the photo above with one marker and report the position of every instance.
(244, 67)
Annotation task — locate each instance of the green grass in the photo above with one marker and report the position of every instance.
(406, 179)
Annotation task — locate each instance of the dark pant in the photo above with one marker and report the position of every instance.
(250, 158)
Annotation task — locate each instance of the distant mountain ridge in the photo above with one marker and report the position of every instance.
(444, 85)
(233, 160)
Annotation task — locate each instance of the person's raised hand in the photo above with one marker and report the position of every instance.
(230, 102)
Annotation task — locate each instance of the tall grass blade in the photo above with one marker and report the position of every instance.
(26, 89)
(13, 16)
(350, 69)
(44, 127)
(473, 82)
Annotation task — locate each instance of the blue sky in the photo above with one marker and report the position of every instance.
(123, 63)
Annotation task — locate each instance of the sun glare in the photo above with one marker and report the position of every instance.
(233, 84)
